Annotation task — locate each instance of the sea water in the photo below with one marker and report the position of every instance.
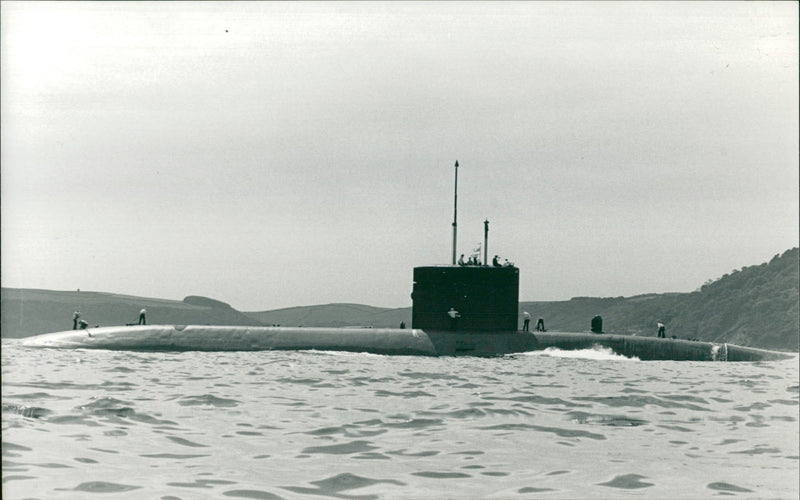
(269, 425)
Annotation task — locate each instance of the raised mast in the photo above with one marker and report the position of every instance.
(486, 242)
(455, 213)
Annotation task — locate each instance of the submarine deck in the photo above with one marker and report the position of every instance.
(391, 341)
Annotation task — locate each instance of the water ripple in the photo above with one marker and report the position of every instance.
(342, 449)
(727, 487)
(627, 482)
(555, 430)
(102, 487)
(186, 442)
(175, 456)
(254, 494)
(638, 402)
(107, 406)
(609, 420)
(441, 475)
(335, 485)
(26, 411)
(208, 400)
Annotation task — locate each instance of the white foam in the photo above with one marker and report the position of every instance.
(596, 353)
(340, 353)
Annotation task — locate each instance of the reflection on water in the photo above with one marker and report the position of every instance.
(270, 425)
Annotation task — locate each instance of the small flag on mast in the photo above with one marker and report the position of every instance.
(476, 253)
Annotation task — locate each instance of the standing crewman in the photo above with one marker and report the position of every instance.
(75, 317)
(526, 325)
(142, 313)
(454, 315)
(662, 331)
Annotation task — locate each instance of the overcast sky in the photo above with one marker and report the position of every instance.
(280, 154)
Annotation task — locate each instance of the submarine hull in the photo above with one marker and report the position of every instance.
(391, 341)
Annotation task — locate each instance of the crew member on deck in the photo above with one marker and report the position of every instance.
(142, 313)
(461, 260)
(82, 325)
(75, 316)
(496, 261)
(540, 325)
(453, 318)
(527, 323)
(662, 332)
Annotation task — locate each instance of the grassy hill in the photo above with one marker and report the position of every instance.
(337, 315)
(756, 306)
(27, 312)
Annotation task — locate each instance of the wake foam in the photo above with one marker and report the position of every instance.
(597, 353)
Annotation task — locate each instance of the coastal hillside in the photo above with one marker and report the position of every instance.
(27, 312)
(336, 315)
(755, 306)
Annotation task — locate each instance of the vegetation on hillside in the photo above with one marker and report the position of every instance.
(27, 312)
(335, 315)
(757, 306)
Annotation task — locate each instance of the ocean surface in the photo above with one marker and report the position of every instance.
(269, 425)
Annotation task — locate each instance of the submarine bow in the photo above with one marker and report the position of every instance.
(238, 338)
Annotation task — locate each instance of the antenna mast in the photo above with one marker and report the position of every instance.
(486, 242)
(455, 213)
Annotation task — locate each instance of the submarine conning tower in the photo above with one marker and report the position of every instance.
(485, 297)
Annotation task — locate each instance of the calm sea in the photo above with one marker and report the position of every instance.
(268, 425)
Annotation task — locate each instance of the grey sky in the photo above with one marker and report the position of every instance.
(278, 154)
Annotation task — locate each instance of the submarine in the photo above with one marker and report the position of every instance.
(457, 310)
